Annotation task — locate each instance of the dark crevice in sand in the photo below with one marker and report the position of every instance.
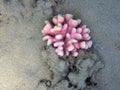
(73, 68)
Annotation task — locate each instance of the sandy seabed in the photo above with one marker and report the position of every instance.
(26, 63)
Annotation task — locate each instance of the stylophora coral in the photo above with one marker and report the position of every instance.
(66, 35)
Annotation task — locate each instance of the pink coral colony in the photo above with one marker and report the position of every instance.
(66, 35)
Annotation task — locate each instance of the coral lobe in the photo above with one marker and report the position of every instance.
(67, 35)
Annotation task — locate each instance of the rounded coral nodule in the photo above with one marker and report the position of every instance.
(66, 35)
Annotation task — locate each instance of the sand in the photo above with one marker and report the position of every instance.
(28, 64)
